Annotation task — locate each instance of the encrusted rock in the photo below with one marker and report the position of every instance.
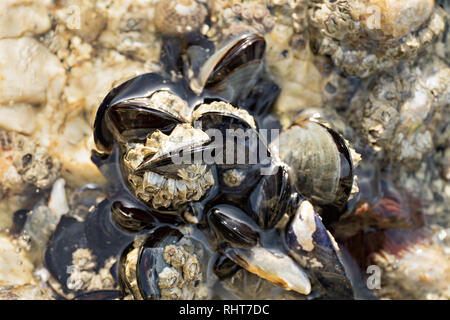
(24, 165)
(401, 111)
(421, 271)
(365, 37)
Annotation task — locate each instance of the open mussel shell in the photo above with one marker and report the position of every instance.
(125, 112)
(314, 248)
(233, 69)
(319, 161)
(165, 264)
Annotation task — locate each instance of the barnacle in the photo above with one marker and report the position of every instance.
(367, 37)
(400, 113)
(174, 18)
(25, 165)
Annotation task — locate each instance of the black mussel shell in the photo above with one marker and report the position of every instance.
(129, 120)
(98, 233)
(346, 179)
(222, 121)
(225, 267)
(232, 226)
(149, 259)
(323, 260)
(234, 69)
(130, 218)
(104, 238)
(271, 198)
(246, 49)
(117, 114)
(239, 147)
(260, 99)
(124, 278)
(143, 261)
(68, 237)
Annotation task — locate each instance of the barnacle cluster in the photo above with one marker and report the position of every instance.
(25, 165)
(367, 37)
(240, 15)
(83, 276)
(401, 111)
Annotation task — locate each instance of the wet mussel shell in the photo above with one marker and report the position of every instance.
(130, 218)
(142, 262)
(237, 149)
(233, 69)
(120, 115)
(103, 236)
(97, 233)
(68, 237)
(319, 254)
(149, 259)
(260, 99)
(232, 227)
(272, 198)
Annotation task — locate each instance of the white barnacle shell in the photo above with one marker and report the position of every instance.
(365, 37)
(183, 183)
(223, 108)
(178, 17)
(168, 278)
(165, 102)
(304, 226)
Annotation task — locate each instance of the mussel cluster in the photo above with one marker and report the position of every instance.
(241, 203)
